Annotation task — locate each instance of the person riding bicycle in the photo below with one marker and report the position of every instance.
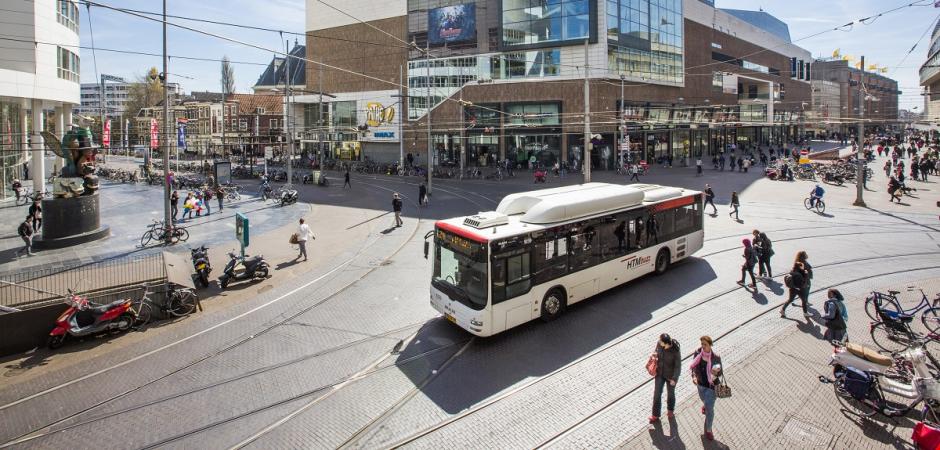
(816, 194)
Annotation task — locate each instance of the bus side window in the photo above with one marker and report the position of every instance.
(639, 230)
(499, 280)
(518, 275)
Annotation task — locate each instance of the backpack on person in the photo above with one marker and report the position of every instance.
(24, 229)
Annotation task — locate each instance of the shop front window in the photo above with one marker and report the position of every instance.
(544, 148)
(527, 23)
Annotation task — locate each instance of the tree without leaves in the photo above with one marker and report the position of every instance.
(228, 76)
(145, 92)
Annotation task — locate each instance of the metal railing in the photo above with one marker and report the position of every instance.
(99, 281)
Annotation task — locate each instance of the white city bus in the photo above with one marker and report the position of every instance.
(545, 250)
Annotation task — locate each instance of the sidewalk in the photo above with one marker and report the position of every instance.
(778, 402)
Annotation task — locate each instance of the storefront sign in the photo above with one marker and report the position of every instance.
(384, 134)
(377, 115)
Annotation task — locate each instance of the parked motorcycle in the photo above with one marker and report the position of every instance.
(238, 268)
(200, 258)
(862, 387)
(288, 196)
(83, 318)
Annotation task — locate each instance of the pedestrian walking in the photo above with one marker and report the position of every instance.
(219, 195)
(174, 204)
(802, 258)
(710, 199)
(735, 203)
(732, 162)
(207, 197)
(698, 167)
(346, 180)
(25, 230)
(741, 164)
(750, 260)
(396, 207)
(301, 237)
(35, 211)
(666, 373)
(765, 250)
(422, 195)
(836, 317)
(706, 371)
(635, 172)
(794, 282)
(188, 206)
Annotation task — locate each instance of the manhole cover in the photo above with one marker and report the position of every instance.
(805, 434)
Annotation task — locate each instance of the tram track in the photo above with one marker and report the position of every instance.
(221, 351)
(709, 299)
(587, 419)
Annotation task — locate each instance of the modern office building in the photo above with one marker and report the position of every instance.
(505, 79)
(930, 81)
(116, 91)
(880, 95)
(39, 70)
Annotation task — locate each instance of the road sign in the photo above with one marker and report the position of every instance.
(268, 152)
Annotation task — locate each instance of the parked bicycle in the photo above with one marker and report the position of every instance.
(879, 305)
(180, 302)
(157, 231)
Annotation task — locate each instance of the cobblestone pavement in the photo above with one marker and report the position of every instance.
(349, 354)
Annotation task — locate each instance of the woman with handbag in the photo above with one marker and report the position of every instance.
(706, 369)
(665, 365)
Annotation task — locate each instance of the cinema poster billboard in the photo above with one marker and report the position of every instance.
(452, 24)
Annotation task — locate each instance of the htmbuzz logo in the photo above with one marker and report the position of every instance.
(637, 261)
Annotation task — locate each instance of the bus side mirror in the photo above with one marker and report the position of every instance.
(427, 247)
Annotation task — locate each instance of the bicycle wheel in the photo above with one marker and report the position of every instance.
(820, 206)
(889, 338)
(146, 238)
(849, 402)
(181, 234)
(182, 302)
(807, 204)
(870, 308)
(931, 319)
(143, 313)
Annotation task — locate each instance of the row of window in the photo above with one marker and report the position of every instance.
(717, 56)
(68, 64)
(67, 14)
(574, 247)
(532, 23)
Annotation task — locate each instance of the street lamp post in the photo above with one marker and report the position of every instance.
(287, 112)
(859, 161)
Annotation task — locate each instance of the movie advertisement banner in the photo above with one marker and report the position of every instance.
(452, 24)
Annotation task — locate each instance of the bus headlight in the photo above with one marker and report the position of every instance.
(475, 322)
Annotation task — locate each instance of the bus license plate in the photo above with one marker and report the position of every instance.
(450, 318)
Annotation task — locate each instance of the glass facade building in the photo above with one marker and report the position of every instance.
(531, 23)
(645, 39)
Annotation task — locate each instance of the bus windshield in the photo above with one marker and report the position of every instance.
(460, 269)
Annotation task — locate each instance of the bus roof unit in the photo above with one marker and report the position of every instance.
(570, 202)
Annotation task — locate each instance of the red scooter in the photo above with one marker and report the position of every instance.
(83, 318)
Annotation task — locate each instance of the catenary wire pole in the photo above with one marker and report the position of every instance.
(167, 216)
(859, 158)
(587, 118)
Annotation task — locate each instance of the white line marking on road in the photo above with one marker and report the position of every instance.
(159, 349)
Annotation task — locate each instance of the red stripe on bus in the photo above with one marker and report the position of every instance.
(461, 232)
(674, 203)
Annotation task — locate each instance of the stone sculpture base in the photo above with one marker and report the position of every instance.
(70, 221)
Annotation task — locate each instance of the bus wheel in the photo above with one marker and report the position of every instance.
(662, 261)
(553, 305)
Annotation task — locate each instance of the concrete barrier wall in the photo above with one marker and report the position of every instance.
(25, 330)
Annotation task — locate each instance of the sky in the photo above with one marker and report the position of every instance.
(885, 41)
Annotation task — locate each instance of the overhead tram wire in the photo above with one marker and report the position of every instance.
(260, 47)
(864, 21)
(127, 52)
(909, 52)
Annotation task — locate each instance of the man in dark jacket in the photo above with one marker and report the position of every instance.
(396, 206)
(25, 231)
(668, 368)
(835, 317)
(765, 250)
(710, 199)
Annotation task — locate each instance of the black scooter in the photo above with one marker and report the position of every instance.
(200, 258)
(238, 268)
